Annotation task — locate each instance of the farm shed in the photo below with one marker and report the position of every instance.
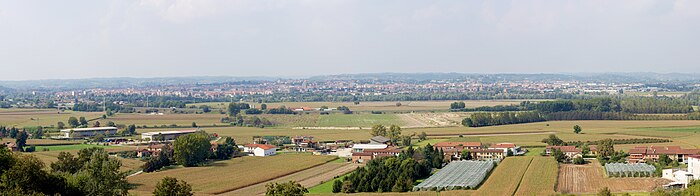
(457, 175)
(629, 169)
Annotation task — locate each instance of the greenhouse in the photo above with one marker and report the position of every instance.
(630, 170)
(457, 175)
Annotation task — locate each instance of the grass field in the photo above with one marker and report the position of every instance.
(540, 177)
(51, 156)
(166, 119)
(224, 176)
(74, 147)
(39, 117)
(504, 180)
(359, 120)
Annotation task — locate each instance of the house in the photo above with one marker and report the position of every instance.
(641, 154)
(151, 150)
(379, 140)
(260, 150)
(682, 178)
(505, 147)
(88, 132)
(593, 150)
(165, 135)
(488, 154)
(364, 152)
(570, 151)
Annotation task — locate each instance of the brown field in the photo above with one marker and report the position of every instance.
(540, 178)
(49, 157)
(224, 176)
(307, 178)
(590, 178)
(42, 142)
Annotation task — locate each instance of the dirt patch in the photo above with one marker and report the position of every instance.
(590, 178)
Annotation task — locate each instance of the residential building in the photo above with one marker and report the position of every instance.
(165, 135)
(88, 132)
(488, 154)
(260, 150)
(505, 147)
(458, 145)
(570, 151)
(641, 154)
(364, 152)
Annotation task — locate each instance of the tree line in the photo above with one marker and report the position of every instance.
(502, 118)
(392, 174)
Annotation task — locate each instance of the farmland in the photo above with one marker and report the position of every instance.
(226, 176)
(540, 178)
(39, 117)
(457, 175)
(406, 106)
(358, 120)
(506, 177)
(590, 178)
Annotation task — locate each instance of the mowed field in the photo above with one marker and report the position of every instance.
(225, 176)
(167, 119)
(590, 178)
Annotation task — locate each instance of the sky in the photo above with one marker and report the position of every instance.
(163, 38)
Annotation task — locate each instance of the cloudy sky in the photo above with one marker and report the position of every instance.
(155, 38)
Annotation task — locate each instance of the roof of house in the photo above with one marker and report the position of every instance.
(362, 154)
(379, 139)
(168, 132)
(89, 129)
(385, 150)
(565, 148)
(455, 144)
(694, 156)
(263, 146)
(593, 148)
(503, 145)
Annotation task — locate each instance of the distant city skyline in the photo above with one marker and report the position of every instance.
(176, 38)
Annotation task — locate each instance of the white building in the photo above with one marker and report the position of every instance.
(260, 150)
(88, 132)
(363, 147)
(165, 135)
(681, 178)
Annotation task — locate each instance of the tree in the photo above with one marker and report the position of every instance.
(290, 188)
(604, 192)
(26, 176)
(39, 133)
(21, 140)
(169, 186)
(96, 124)
(509, 152)
(66, 163)
(558, 155)
(60, 125)
(394, 132)
(83, 121)
(378, 130)
(226, 150)
(606, 147)
(466, 155)
(579, 161)
(664, 160)
(131, 129)
(422, 136)
(73, 122)
(337, 186)
(192, 149)
(577, 129)
(406, 140)
(263, 106)
(100, 175)
(194, 124)
(553, 140)
(467, 122)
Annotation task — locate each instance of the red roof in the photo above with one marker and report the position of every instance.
(263, 146)
(488, 150)
(503, 145)
(657, 150)
(455, 144)
(694, 156)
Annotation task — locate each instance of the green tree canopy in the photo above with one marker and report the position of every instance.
(172, 187)
(192, 149)
(290, 188)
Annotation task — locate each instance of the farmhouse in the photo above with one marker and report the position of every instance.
(505, 147)
(641, 154)
(570, 151)
(681, 178)
(488, 154)
(365, 152)
(260, 150)
(165, 135)
(458, 145)
(88, 132)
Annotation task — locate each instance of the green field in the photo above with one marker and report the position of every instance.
(692, 129)
(72, 147)
(358, 120)
(326, 187)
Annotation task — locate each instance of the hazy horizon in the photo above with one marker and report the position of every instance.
(180, 38)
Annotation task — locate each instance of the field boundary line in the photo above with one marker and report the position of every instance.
(263, 181)
(522, 177)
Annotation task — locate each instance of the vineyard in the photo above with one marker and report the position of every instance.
(457, 175)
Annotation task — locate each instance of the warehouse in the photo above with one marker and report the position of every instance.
(88, 132)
